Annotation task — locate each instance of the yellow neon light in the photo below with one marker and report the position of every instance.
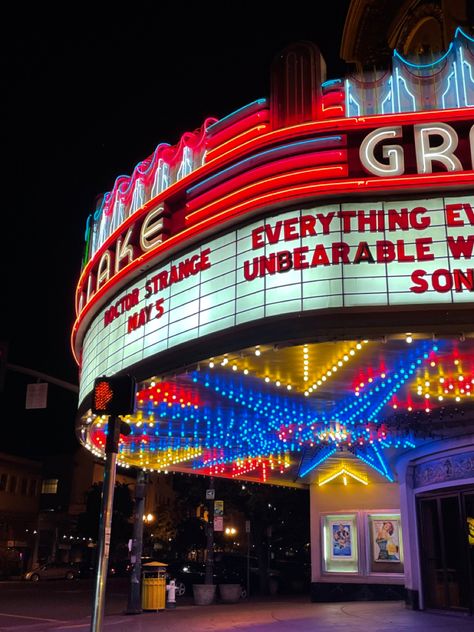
(343, 472)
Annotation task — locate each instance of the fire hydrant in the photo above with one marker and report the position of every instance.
(171, 588)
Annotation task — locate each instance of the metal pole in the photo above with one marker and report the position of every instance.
(209, 579)
(248, 561)
(134, 602)
(43, 376)
(106, 511)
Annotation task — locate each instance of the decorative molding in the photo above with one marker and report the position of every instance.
(450, 468)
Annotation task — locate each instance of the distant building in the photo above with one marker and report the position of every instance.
(20, 488)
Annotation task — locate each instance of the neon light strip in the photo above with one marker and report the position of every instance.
(317, 462)
(342, 471)
(256, 158)
(397, 55)
(330, 82)
(346, 124)
(230, 143)
(459, 31)
(366, 460)
(350, 186)
(290, 176)
(236, 114)
(230, 132)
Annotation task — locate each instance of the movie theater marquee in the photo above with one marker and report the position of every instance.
(347, 255)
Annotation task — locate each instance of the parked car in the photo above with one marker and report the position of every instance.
(88, 569)
(53, 570)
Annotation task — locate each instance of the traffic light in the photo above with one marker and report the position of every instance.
(114, 395)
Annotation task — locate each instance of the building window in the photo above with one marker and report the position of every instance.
(24, 486)
(12, 484)
(3, 482)
(49, 486)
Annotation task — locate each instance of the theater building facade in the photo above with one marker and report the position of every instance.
(292, 287)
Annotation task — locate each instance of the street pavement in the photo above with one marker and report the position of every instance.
(276, 614)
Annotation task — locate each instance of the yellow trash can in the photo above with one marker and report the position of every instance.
(154, 586)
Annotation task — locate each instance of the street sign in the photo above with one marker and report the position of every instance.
(247, 526)
(36, 395)
(219, 523)
(210, 494)
(218, 508)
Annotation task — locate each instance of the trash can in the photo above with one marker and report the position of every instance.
(154, 586)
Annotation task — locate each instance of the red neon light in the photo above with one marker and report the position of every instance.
(345, 186)
(218, 138)
(289, 178)
(251, 176)
(343, 125)
(145, 170)
(236, 140)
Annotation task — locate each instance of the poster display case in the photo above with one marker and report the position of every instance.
(384, 544)
(340, 543)
(362, 543)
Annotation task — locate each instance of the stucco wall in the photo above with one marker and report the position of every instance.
(359, 499)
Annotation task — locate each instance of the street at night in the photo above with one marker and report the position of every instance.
(65, 606)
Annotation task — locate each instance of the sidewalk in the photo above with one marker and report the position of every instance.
(284, 615)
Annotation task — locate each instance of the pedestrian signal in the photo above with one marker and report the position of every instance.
(114, 395)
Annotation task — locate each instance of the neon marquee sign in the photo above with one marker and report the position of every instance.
(246, 165)
(428, 150)
(334, 256)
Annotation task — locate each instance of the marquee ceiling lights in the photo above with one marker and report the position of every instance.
(235, 416)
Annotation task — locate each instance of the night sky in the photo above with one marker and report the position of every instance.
(85, 97)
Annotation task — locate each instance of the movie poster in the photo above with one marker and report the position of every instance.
(341, 540)
(386, 540)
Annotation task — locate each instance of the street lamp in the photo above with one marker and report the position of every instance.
(230, 530)
(148, 518)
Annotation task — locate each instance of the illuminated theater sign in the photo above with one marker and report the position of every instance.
(331, 256)
(435, 146)
(349, 216)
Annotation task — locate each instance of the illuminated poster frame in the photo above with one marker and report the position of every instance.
(348, 559)
(385, 553)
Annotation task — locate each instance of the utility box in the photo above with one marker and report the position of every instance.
(154, 586)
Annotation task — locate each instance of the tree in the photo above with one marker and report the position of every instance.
(191, 535)
(88, 523)
(161, 532)
(279, 518)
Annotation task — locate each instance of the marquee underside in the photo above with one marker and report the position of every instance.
(289, 415)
